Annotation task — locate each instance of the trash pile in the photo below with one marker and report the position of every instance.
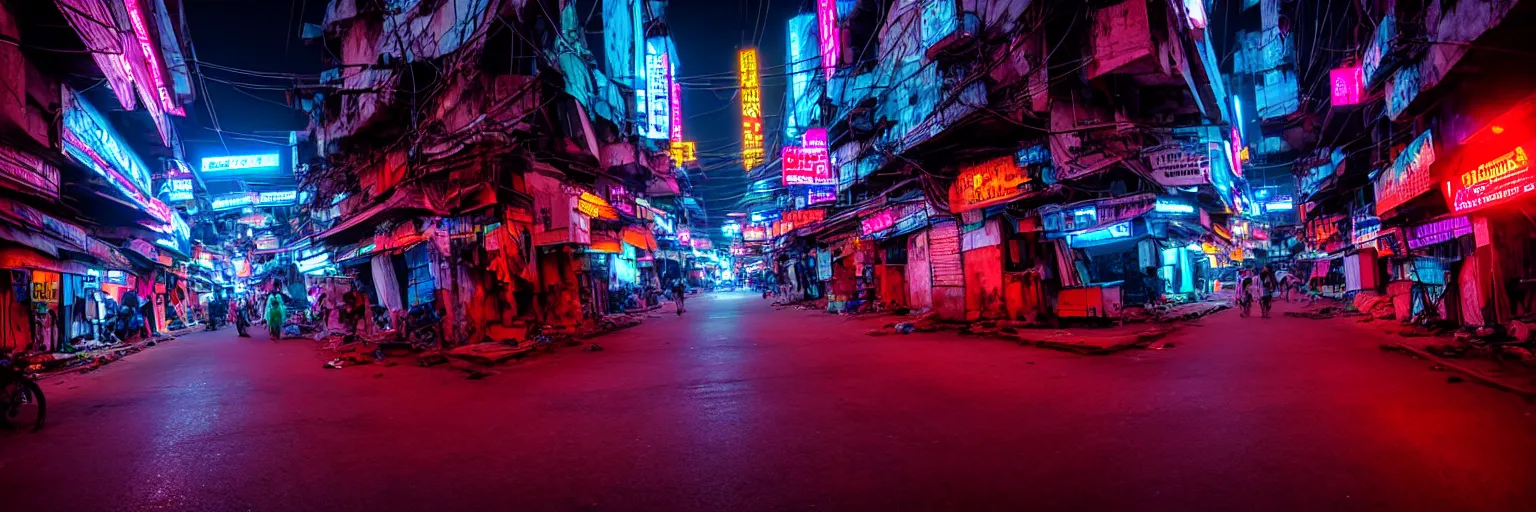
(927, 322)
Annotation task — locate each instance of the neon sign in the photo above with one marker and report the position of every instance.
(1496, 181)
(818, 160)
(1439, 231)
(991, 182)
(826, 34)
(231, 163)
(151, 58)
(283, 197)
(751, 110)
(1346, 85)
(658, 89)
(230, 201)
(676, 103)
(1409, 175)
(684, 152)
(89, 140)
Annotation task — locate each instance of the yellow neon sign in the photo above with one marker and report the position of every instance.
(751, 110)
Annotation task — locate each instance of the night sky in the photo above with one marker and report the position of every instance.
(262, 37)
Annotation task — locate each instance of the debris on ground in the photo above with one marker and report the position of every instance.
(431, 359)
(1454, 380)
(594, 348)
(489, 353)
(905, 328)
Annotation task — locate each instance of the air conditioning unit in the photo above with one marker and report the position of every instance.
(960, 42)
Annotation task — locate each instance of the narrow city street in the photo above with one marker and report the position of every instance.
(739, 406)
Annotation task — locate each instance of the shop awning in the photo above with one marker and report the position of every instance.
(404, 201)
(639, 237)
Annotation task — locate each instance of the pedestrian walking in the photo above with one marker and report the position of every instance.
(1267, 286)
(1245, 287)
(679, 294)
(242, 322)
(275, 311)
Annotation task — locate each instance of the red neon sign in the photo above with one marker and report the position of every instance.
(1497, 181)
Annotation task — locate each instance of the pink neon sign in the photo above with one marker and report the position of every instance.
(1347, 85)
(676, 99)
(826, 34)
(151, 58)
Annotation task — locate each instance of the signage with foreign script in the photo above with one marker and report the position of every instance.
(795, 169)
(818, 160)
(1088, 215)
(1498, 181)
(994, 181)
(235, 163)
(1408, 176)
(45, 286)
(751, 109)
(657, 87)
(230, 201)
(683, 152)
(820, 194)
(1346, 86)
(807, 216)
(754, 233)
(277, 198)
(1180, 165)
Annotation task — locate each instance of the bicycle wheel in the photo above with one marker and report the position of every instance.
(26, 407)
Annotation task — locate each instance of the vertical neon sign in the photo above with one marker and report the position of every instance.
(677, 104)
(151, 59)
(751, 110)
(826, 33)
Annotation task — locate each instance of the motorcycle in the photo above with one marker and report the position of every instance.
(21, 400)
(421, 326)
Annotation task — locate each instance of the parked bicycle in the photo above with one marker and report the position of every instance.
(21, 400)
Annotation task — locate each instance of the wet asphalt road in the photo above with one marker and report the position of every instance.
(736, 406)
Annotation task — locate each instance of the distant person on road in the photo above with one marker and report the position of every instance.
(1247, 284)
(1154, 286)
(242, 322)
(1267, 286)
(679, 293)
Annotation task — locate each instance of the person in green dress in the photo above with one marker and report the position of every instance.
(275, 311)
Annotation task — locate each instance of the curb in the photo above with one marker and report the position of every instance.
(1475, 375)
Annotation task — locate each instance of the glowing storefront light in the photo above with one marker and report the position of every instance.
(751, 110)
(151, 52)
(827, 35)
(232, 163)
(89, 140)
(1166, 206)
(658, 90)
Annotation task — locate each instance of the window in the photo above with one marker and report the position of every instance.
(418, 266)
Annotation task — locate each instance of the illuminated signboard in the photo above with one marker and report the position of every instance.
(1497, 181)
(230, 201)
(684, 152)
(751, 110)
(151, 50)
(279, 198)
(1408, 176)
(1443, 230)
(804, 217)
(1346, 86)
(991, 182)
(178, 190)
(821, 194)
(1172, 206)
(1179, 165)
(658, 116)
(89, 140)
(827, 35)
(232, 163)
(817, 158)
(675, 106)
(754, 233)
(793, 163)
